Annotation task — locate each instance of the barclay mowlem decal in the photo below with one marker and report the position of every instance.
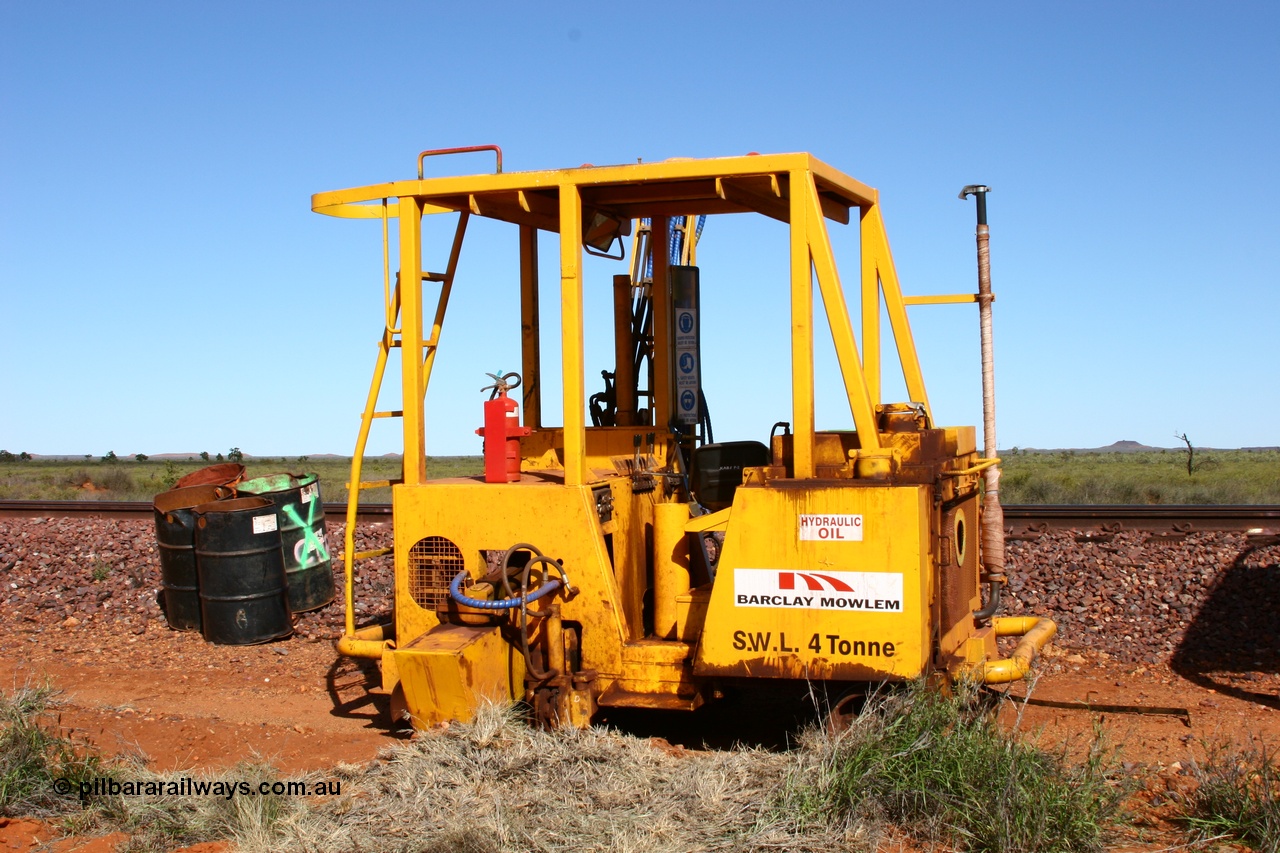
(861, 591)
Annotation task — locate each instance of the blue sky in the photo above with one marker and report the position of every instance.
(166, 287)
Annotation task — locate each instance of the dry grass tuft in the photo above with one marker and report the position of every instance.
(495, 785)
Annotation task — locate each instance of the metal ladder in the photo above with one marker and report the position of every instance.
(389, 340)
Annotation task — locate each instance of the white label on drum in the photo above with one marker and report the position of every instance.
(309, 493)
(264, 523)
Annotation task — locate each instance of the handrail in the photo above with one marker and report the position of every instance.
(981, 466)
(464, 150)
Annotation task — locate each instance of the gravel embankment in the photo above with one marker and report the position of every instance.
(98, 571)
(1208, 597)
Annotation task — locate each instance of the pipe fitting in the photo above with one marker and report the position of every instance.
(1036, 632)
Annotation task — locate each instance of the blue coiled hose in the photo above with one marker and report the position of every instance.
(455, 592)
(521, 601)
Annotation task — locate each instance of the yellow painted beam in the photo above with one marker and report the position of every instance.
(350, 203)
(944, 299)
(575, 428)
(871, 352)
(801, 330)
(411, 372)
(897, 311)
(442, 304)
(824, 263)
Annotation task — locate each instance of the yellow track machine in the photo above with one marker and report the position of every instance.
(621, 558)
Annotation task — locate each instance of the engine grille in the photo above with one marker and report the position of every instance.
(433, 563)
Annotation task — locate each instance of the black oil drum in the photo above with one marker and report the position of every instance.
(175, 534)
(300, 513)
(241, 572)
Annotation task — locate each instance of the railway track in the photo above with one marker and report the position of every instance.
(142, 509)
(1021, 521)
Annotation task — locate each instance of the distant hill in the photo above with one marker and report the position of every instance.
(1130, 447)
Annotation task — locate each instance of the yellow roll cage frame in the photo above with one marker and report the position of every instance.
(797, 189)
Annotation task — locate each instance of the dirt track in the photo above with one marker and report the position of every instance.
(131, 685)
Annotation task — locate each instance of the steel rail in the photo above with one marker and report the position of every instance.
(333, 512)
(1025, 520)
(1020, 519)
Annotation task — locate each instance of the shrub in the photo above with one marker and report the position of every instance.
(32, 757)
(1238, 796)
(942, 768)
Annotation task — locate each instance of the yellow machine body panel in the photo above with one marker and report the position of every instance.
(477, 516)
(447, 673)
(823, 583)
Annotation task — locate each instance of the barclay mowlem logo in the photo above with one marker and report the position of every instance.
(812, 580)
(835, 590)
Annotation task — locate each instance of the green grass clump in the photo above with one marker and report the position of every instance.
(1238, 797)
(33, 756)
(941, 767)
(41, 772)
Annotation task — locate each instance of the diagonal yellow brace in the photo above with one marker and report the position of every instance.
(824, 262)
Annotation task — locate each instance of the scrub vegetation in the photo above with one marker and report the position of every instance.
(941, 767)
(1146, 477)
(914, 762)
(120, 479)
(33, 754)
(1238, 796)
(1030, 477)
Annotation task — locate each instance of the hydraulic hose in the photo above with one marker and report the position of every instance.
(993, 602)
(455, 592)
(521, 601)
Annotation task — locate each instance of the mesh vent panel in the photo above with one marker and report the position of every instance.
(433, 563)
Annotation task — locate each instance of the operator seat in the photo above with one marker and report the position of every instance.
(716, 470)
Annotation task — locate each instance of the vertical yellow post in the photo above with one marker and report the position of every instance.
(660, 298)
(575, 427)
(824, 264)
(870, 306)
(411, 372)
(801, 329)
(670, 565)
(530, 345)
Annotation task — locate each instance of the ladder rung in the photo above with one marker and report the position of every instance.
(376, 484)
(395, 414)
(366, 555)
(433, 276)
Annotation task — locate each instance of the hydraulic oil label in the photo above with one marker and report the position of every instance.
(830, 528)
(859, 591)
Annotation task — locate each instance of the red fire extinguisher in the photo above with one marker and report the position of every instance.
(502, 430)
